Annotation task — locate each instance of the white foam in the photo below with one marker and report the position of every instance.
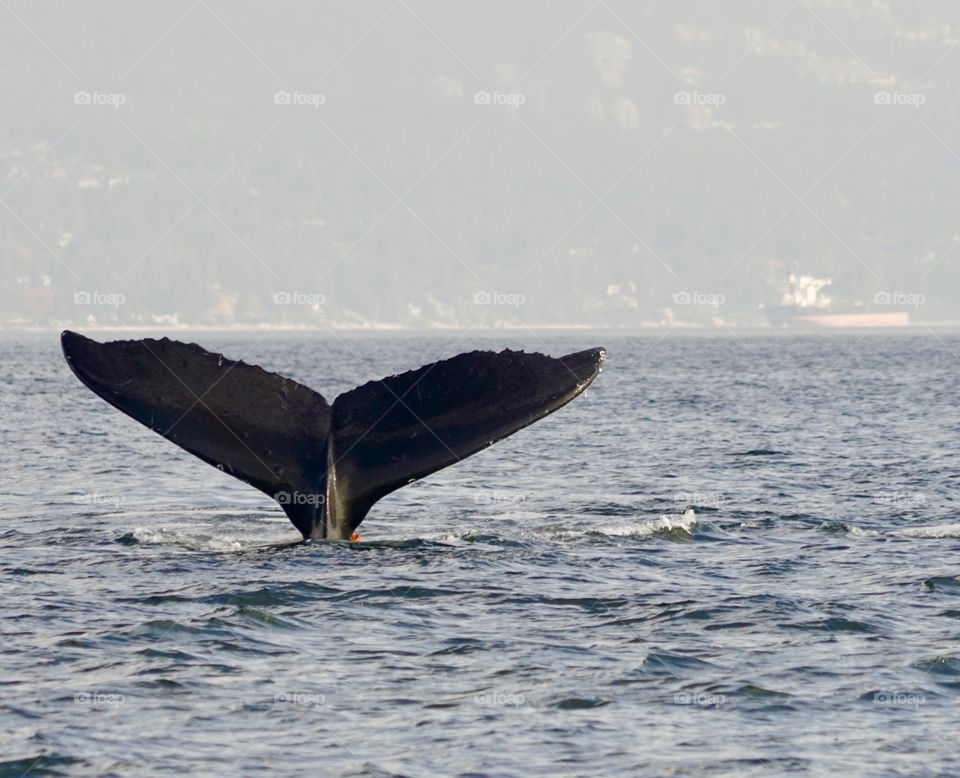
(194, 539)
(859, 532)
(938, 531)
(634, 529)
(449, 539)
(630, 529)
(665, 523)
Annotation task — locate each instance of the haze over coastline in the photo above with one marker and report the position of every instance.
(421, 165)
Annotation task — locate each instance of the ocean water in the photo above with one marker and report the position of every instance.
(734, 555)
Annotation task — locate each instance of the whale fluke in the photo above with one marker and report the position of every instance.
(327, 466)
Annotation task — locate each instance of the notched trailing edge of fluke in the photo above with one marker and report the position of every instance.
(331, 463)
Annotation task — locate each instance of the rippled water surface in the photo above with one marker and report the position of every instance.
(733, 555)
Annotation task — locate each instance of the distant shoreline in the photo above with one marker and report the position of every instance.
(647, 329)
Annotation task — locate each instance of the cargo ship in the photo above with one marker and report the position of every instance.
(804, 304)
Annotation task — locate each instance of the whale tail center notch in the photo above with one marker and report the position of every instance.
(327, 465)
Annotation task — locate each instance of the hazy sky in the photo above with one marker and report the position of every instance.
(425, 163)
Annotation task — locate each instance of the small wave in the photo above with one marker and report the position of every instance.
(198, 541)
(667, 526)
(218, 512)
(941, 582)
(580, 703)
(937, 531)
(751, 690)
(843, 528)
(469, 537)
(193, 538)
(40, 764)
(678, 526)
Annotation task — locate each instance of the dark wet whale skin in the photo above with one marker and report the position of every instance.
(327, 466)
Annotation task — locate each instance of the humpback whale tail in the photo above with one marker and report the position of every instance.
(327, 465)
